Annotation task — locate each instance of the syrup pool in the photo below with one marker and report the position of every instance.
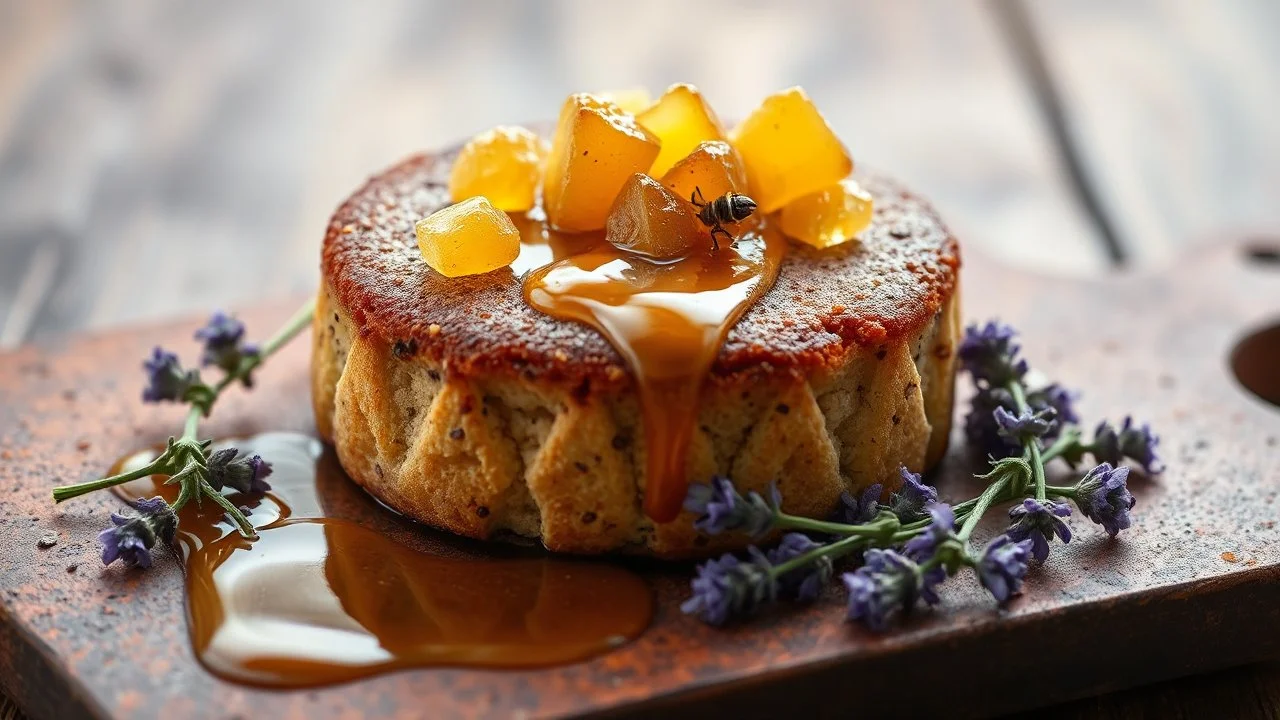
(321, 598)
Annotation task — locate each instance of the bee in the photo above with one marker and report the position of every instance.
(728, 208)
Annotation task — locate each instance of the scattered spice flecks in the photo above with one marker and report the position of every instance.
(1230, 557)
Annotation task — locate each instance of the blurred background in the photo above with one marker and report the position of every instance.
(159, 158)
(163, 157)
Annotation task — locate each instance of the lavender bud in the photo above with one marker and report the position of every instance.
(166, 380)
(721, 508)
(989, 354)
(886, 584)
(804, 583)
(1103, 496)
(246, 474)
(131, 538)
(860, 509)
(1130, 441)
(224, 346)
(728, 587)
(1025, 426)
(1003, 565)
(910, 500)
(1039, 521)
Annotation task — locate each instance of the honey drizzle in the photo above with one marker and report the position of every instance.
(668, 320)
(320, 598)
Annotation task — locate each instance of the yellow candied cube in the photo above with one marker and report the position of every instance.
(713, 167)
(828, 217)
(468, 238)
(649, 219)
(596, 149)
(633, 100)
(681, 119)
(789, 150)
(503, 164)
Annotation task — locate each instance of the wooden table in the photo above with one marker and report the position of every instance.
(162, 158)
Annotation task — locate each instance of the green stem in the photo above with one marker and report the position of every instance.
(1031, 445)
(192, 426)
(246, 527)
(1037, 467)
(71, 491)
(836, 549)
(1070, 436)
(296, 324)
(981, 504)
(200, 407)
(795, 522)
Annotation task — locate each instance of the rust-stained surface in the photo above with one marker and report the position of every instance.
(1162, 600)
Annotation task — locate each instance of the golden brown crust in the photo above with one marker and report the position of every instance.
(826, 302)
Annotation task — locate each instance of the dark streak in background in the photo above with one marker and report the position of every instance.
(1021, 35)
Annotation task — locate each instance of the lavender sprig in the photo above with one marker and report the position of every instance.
(915, 542)
(187, 460)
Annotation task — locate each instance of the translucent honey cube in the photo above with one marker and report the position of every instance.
(713, 167)
(468, 238)
(828, 217)
(633, 100)
(649, 219)
(681, 119)
(504, 165)
(596, 149)
(789, 150)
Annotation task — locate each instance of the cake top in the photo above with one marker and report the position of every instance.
(824, 303)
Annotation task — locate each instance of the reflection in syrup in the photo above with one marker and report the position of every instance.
(668, 320)
(320, 599)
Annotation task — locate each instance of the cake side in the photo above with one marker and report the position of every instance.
(479, 455)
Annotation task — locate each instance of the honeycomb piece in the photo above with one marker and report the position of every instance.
(649, 219)
(789, 150)
(681, 119)
(504, 165)
(596, 149)
(713, 167)
(468, 238)
(828, 217)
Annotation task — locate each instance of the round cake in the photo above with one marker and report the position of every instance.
(459, 405)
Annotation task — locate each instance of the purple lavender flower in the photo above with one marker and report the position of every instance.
(1130, 441)
(721, 508)
(246, 474)
(1003, 565)
(804, 583)
(922, 547)
(861, 509)
(131, 538)
(1060, 399)
(728, 587)
(989, 354)
(166, 380)
(1039, 521)
(912, 498)
(1023, 427)
(1103, 496)
(886, 584)
(224, 345)
(980, 426)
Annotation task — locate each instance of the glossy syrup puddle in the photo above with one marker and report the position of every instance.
(668, 320)
(320, 598)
